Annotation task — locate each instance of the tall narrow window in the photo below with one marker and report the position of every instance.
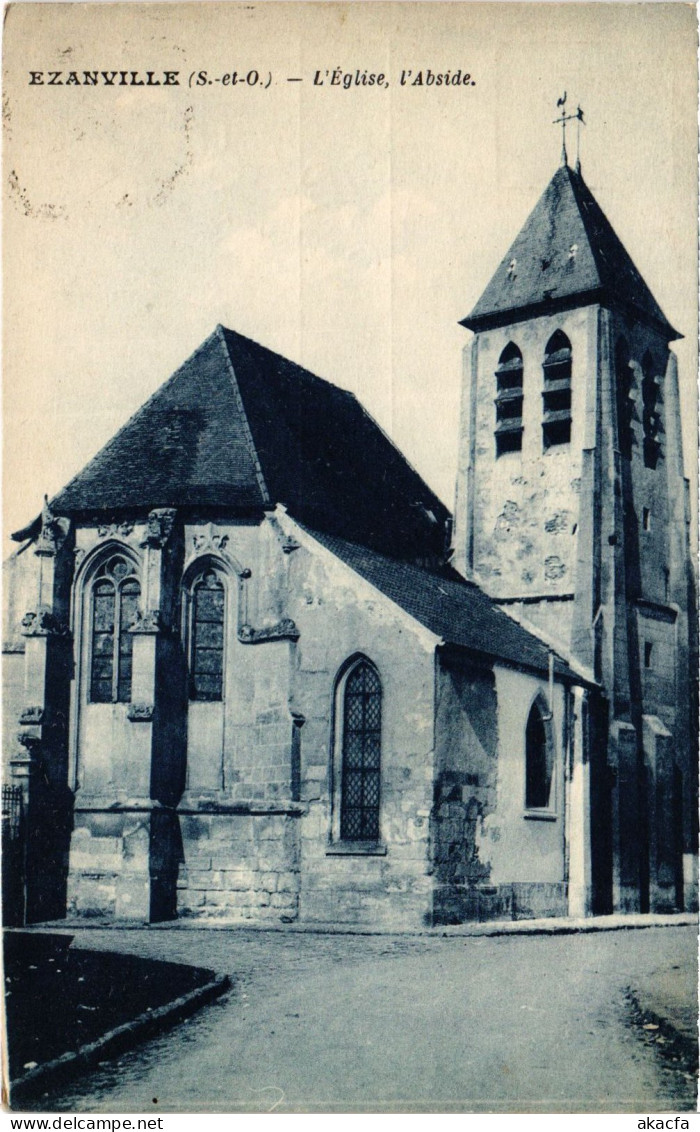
(207, 616)
(539, 759)
(651, 417)
(626, 410)
(556, 423)
(115, 597)
(361, 754)
(509, 401)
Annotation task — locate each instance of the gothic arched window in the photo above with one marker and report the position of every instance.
(556, 423)
(539, 757)
(115, 597)
(207, 616)
(509, 401)
(361, 731)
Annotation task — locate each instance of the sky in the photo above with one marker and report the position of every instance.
(348, 229)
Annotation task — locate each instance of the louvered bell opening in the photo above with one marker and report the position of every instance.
(509, 375)
(558, 357)
(510, 408)
(557, 401)
(509, 436)
(556, 429)
(652, 453)
(653, 425)
(504, 395)
(557, 366)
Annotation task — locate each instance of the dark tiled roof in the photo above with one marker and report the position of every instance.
(546, 275)
(240, 427)
(452, 608)
(187, 445)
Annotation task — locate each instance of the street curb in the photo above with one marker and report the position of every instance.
(550, 926)
(121, 1038)
(679, 1046)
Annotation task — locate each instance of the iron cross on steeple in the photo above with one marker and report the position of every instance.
(562, 120)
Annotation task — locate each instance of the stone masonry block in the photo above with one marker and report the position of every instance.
(239, 880)
(203, 879)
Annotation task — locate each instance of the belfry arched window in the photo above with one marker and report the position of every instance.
(556, 397)
(539, 757)
(361, 746)
(115, 598)
(626, 411)
(207, 618)
(651, 417)
(509, 401)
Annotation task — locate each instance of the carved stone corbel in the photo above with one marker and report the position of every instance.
(147, 623)
(140, 712)
(53, 533)
(29, 741)
(284, 630)
(124, 529)
(159, 527)
(210, 539)
(32, 716)
(43, 623)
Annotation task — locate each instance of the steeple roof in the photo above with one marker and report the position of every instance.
(238, 429)
(567, 254)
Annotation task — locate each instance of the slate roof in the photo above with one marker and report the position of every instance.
(539, 273)
(241, 428)
(449, 606)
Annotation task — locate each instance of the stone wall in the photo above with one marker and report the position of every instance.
(240, 867)
(341, 616)
(109, 866)
(526, 849)
(494, 859)
(466, 727)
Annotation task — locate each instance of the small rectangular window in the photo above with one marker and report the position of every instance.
(646, 519)
(648, 650)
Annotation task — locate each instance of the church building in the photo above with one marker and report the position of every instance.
(260, 674)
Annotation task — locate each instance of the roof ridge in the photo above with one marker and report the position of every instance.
(577, 182)
(221, 336)
(598, 228)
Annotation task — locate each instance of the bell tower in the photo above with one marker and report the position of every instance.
(572, 512)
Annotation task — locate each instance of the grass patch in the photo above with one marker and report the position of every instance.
(59, 998)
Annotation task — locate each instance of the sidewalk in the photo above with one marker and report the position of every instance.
(550, 926)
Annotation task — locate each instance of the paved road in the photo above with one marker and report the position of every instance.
(346, 1023)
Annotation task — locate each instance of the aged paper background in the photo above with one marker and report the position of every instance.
(347, 229)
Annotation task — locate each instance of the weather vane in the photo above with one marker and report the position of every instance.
(562, 120)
